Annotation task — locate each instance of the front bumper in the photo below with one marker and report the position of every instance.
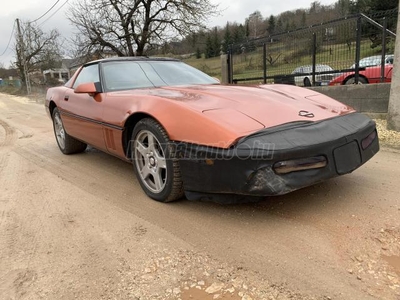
(248, 168)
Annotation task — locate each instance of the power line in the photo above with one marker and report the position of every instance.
(9, 41)
(46, 12)
(54, 13)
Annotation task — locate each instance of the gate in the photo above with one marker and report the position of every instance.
(317, 54)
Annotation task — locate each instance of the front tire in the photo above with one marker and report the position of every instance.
(154, 162)
(66, 143)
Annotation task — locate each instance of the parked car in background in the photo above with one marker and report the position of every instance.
(375, 60)
(368, 75)
(306, 80)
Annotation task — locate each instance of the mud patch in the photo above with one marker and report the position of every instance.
(139, 230)
(394, 262)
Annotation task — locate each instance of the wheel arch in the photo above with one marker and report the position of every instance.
(52, 106)
(353, 76)
(130, 124)
(306, 81)
(181, 123)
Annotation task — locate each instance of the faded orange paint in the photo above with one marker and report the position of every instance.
(212, 115)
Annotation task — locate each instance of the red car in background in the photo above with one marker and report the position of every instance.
(368, 75)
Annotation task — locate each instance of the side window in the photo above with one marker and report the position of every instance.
(88, 74)
(124, 75)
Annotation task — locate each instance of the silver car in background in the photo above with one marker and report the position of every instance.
(375, 60)
(306, 78)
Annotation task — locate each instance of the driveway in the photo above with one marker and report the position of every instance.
(80, 227)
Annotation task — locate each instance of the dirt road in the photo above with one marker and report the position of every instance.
(80, 227)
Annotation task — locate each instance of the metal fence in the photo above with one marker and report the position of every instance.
(10, 82)
(316, 55)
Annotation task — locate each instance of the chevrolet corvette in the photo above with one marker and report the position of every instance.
(188, 135)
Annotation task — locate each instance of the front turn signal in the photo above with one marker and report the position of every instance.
(295, 165)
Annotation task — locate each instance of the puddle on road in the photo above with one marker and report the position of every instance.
(196, 294)
(394, 262)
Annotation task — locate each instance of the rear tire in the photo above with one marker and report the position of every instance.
(154, 162)
(66, 143)
(352, 80)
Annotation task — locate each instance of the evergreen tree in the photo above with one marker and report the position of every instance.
(344, 7)
(239, 36)
(271, 24)
(216, 43)
(381, 5)
(227, 38)
(209, 47)
(247, 29)
(303, 19)
(359, 6)
(194, 39)
(198, 53)
(279, 26)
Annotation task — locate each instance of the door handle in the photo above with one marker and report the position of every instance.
(66, 97)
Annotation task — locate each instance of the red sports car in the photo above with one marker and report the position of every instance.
(369, 75)
(187, 134)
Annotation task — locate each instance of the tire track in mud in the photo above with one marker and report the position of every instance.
(10, 135)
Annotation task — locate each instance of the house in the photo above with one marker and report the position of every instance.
(70, 65)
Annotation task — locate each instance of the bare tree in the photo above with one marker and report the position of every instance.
(36, 50)
(255, 23)
(130, 27)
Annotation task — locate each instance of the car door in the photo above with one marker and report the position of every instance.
(82, 113)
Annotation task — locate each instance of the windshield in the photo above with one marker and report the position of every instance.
(374, 61)
(123, 75)
(309, 69)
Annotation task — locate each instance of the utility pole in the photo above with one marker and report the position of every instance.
(393, 116)
(23, 58)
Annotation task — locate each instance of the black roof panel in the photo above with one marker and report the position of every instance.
(132, 58)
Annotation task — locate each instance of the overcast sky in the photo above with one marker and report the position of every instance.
(28, 10)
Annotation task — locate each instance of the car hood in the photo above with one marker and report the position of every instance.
(255, 107)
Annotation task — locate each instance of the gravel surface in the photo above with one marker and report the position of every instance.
(387, 137)
(188, 275)
(80, 227)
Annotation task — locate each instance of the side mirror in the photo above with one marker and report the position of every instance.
(90, 88)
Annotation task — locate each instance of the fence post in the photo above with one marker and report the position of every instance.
(383, 49)
(314, 57)
(230, 64)
(358, 51)
(265, 62)
(224, 68)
